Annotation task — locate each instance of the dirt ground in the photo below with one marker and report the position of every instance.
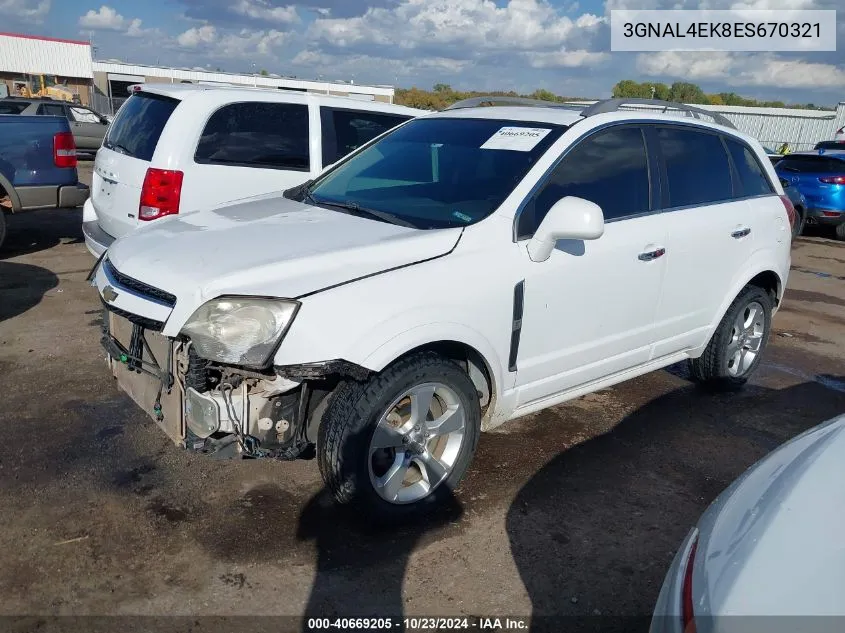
(575, 511)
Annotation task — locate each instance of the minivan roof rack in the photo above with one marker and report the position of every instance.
(474, 102)
(614, 105)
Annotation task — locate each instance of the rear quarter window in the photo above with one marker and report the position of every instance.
(752, 179)
(697, 167)
(139, 123)
(253, 134)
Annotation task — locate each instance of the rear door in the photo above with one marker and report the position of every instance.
(87, 126)
(247, 149)
(122, 162)
(808, 173)
(344, 130)
(711, 233)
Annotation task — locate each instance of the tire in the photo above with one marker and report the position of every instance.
(799, 223)
(2, 227)
(352, 469)
(718, 367)
(840, 231)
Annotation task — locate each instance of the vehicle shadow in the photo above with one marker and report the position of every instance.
(361, 566)
(22, 287)
(35, 231)
(637, 490)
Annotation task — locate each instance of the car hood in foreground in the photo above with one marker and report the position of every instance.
(772, 543)
(268, 246)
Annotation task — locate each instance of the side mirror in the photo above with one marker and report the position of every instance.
(569, 218)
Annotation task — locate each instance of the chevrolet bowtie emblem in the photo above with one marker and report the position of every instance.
(109, 294)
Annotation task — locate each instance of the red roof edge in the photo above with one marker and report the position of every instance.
(46, 39)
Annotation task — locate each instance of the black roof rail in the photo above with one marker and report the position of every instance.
(614, 105)
(493, 100)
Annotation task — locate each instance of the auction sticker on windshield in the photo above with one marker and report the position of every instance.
(518, 139)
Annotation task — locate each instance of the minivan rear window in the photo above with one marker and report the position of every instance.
(812, 164)
(139, 123)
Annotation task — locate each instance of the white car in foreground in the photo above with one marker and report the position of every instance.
(469, 267)
(768, 554)
(176, 148)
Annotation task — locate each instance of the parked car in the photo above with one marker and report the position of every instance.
(768, 546)
(799, 203)
(37, 166)
(469, 267)
(774, 157)
(834, 145)
(840, 135)
(820, 177)
(88, 127)
(178, 148)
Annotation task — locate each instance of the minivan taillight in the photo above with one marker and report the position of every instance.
(160, 193)
(833, 180)
(790, 211)
(64, 150)
(687, 612)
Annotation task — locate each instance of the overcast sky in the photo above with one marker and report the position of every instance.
(560, 45)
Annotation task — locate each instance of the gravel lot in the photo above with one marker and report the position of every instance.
(573, 511)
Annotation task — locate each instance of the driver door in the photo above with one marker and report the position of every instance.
(590, 309)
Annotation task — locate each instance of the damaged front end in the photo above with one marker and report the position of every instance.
(221, 410)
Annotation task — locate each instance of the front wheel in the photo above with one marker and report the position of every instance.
(399, 443)
(735, 349)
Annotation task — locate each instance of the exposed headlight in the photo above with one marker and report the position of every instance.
(240, 330)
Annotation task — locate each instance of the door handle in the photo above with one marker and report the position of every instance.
(740, 233)
(651, 255)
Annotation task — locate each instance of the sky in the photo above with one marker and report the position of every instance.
(559, 45)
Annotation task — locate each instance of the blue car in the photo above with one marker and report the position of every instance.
(820, 177)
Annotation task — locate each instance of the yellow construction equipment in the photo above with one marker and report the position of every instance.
(44, 87)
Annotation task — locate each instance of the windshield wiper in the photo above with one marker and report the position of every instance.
(120, 148)
(353, 208)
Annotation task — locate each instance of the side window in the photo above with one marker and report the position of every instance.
(752, 178)
(83, 115)
(352, 129)
(609, 168)
(51, 109)
(697, 167)
(268, 135)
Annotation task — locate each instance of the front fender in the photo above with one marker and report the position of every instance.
(398, 340)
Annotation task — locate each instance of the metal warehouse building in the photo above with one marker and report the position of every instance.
(104, 85)
(802, 129)
(112, 79)
(26, 58)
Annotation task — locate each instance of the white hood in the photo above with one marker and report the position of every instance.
(267, 246)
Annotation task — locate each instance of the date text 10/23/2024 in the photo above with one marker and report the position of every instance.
(419, 624)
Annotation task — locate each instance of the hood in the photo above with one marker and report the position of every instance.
(268, 246)
(771, 544)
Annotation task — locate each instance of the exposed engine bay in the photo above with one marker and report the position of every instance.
(226, 411)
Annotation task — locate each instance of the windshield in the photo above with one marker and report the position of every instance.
(436, 173)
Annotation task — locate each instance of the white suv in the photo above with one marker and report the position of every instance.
(469, 267)
(176, 147)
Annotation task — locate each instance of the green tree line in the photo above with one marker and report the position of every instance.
(685, 92)
(443, 95)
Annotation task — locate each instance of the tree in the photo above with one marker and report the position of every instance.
(542, 94)
(263, 73)
(684, 92)
(442, 88)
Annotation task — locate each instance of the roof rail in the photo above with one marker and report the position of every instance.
(613, 105)
(508, 101)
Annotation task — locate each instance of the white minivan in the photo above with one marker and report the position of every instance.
(176, 148)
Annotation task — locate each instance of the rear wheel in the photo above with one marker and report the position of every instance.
(840, 231)
(737, 345)
(399, 443)
(799, 222)
(2, 226)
